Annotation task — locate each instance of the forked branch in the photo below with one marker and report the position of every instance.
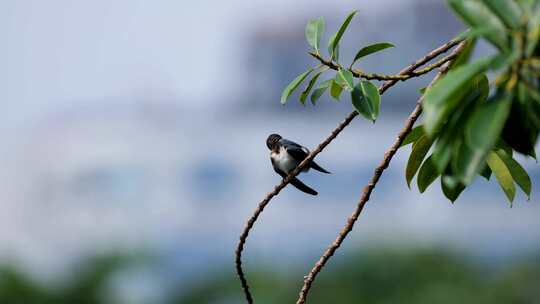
(249, 225)
(409, 123)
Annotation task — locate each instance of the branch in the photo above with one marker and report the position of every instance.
(249, 225)
(308, 280)
(399, 77)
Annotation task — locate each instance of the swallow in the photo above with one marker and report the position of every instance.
(286, 155)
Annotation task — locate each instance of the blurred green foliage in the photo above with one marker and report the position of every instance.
(86, 287)
(392, 276)
(377, 277)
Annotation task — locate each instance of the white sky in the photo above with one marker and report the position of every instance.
(57, 53)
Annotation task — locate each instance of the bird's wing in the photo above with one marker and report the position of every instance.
(298, 152)
(289, 143)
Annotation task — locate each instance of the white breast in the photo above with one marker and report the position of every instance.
(283, 160)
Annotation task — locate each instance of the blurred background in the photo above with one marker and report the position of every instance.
(133, 151)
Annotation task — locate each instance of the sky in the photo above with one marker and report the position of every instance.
(64, 53)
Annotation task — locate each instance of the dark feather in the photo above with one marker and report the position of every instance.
(302, 187)
(272, 140)
(318, 168)
(296, 182)
(289, 143)
(299, 153)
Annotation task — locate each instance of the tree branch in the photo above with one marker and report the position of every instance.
(308, 280)
(399, 77)
(249, 225)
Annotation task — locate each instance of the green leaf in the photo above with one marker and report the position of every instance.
(527, 5)
(319, 91)
(334, 41)
(486, 172)
(413, 136)
(519, 131)
(345, 78)
(529, 98)
(519, 174)
(450, 137)
(477, 15)
(335, 89)
(470, 159)
(333, 49)
(502, 145)
(445, 95)
(465, 55)
(485, 126)
(445, 147)
(370, 49)
(428, 174)
(503, 61)
(534, 32)
(314, 31)
(310, 85)
(293, 85)
(451, 188)
(468, 163)
(503, 175)
(508, 12)
(366, 99)
(419, 151)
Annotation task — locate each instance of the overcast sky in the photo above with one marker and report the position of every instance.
(59, 53)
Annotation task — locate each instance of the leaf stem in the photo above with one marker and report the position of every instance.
(400, 77)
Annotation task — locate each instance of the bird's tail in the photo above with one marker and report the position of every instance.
(318, 168)
(302, 187)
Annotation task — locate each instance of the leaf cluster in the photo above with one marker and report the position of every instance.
(473, 127)
(365, 97)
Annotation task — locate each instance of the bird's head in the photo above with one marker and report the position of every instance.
(272, 140)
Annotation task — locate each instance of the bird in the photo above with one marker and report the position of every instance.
(286, 155)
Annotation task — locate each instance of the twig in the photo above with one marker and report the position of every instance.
(308, 280)
(249, 225)
(400, 77)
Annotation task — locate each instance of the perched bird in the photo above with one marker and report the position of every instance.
(286, 155)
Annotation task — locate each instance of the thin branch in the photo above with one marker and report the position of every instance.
(275, 192)
(249, 225)
(308, 280)
(399, 77)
